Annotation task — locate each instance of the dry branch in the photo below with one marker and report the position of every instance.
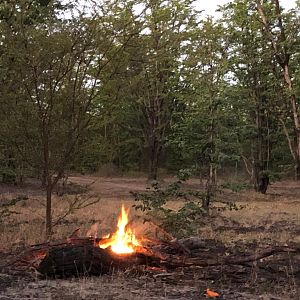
(82, 256)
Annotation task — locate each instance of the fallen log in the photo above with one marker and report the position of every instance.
(86, 258)
(77, 260)
(83, 256)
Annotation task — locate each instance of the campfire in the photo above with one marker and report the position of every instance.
(123, 250)
(123, 241)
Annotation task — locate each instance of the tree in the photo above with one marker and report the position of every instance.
(283, 40)
(59, 76)
(150, 85)
(252, 70)
(205, 135)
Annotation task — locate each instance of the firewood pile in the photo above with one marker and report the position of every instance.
(209, 259)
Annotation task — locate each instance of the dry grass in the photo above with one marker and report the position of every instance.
(273, 219)
(276, 215)
(28, 225)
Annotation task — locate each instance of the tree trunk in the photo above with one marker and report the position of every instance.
(260, 151)
(9, 176)
(154, 153)
(212, 176)
(210, 186)
(44, 179)
(261, 179)
(296, 120)
(49, 208)
(207, 197)
(297, 169)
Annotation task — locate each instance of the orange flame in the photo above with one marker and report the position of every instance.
(123, 241)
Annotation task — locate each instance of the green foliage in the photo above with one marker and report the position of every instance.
(157, 196)
(179, 223)
(184, 174)
(236, 186)
(184, 222)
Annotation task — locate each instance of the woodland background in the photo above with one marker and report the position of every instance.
(154, 86)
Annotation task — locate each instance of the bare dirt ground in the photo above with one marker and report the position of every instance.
(272, 219)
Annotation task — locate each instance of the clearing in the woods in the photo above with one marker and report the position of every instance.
(264, 221)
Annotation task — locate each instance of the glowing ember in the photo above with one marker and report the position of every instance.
(123, 241)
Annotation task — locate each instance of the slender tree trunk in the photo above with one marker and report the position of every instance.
(207, 198)
(49, 208)
(44, 179)
(154, 153)
(261, 179)
(47, 175)
(296, 117)
(261, 149)
(296, 125)
(210, 188)
(297, 163)
(296, 120)
(212, 176)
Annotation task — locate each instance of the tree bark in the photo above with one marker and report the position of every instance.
(260, 142)
(297, 167)
(44, 179)
(261, 179)
(48, 209)
(296, 120)
(154, 154)
(48, 178)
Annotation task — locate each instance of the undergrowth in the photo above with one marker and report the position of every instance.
(194, 212)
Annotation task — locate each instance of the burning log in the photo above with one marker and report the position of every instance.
(71, 260)
(84, 256)
(86, 259)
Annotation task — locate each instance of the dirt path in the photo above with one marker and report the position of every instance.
(115, 187)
